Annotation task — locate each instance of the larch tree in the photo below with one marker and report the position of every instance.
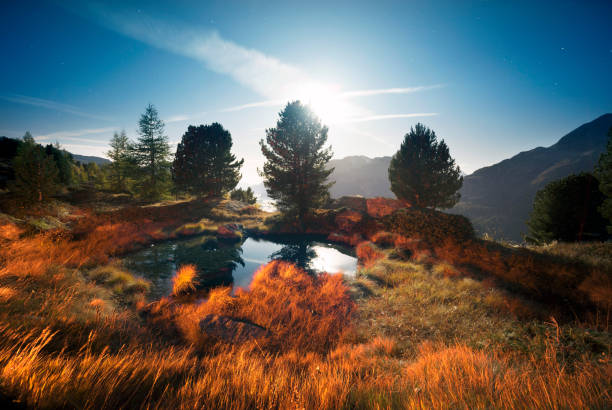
(121, 161)
(295, 172)
(151, 153)
(204, 164)
(423, 173)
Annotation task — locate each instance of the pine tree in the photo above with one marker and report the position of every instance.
(244, 195)
(36, 174)
(122, 164)
(567, 210)
(203, 163)
(604, 174)
(63, 161)
(151, 153)
(295, 172)
(422, 173)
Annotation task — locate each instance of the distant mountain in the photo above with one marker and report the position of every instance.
(84, 159)
(356, 175)
(360, 175)
(499, 198)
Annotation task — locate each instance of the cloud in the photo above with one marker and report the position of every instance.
(263, 74)
(75, 133)
(268, 103)
(177, 118)
(408, 90)
(390, 116)
(52, 105)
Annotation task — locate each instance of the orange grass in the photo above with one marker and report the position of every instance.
(183, 280)
(368, 254)
(351, 376)
(303, 312)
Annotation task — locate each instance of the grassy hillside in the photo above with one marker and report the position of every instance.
(424, 324)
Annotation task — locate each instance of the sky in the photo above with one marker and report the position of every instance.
(491, 78)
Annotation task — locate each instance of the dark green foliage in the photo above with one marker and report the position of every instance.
(245, 195)
(123, 163)
(567, 210)
(603, 171)
(429, 225)
(36, 174)
(295, 172)
(63, 161)
(422, 173)
(204, 164)
(151, 153)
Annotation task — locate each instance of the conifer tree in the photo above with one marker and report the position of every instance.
(422, 173)
(295, 172)
(151, 153)
(121, 165)
(203, 163)
(604, 174)
(36, 174)
(244, 195)
(567, 210)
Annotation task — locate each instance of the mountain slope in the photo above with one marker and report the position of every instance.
(499, 198)
(360, 175)
(85, 159)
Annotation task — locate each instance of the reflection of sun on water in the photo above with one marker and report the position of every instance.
(332, 261)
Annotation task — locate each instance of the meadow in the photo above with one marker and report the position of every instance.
(454, 323)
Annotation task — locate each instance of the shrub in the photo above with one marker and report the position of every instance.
(428, 225)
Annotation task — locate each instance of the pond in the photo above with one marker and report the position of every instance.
(222, 263)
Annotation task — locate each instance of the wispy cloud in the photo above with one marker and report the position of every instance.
(381, 91)
(75, 133)
(391, 116)
(268, 103)
(52, 105)
(178, 118)
(265, 75)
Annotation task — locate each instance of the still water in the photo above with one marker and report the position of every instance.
(233, 264)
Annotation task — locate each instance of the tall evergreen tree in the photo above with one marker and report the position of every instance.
(604, 174)
(36, 174)
(295, 173)
(121, 165)
(63, 161)
(567, 210)
(422, 173)
(151, 153)
(204, 164)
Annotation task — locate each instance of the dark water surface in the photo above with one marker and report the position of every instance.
(225, 263)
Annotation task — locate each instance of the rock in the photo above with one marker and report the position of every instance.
(229, 231)
(348, 219)
(351, 240)
(357, 203)
(379, 207)
(232, 330)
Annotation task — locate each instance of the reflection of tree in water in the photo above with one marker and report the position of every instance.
(215, 260)
(300, 253)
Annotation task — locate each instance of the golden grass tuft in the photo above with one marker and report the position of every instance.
(183, 280)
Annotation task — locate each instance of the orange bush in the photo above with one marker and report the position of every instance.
(368, 254)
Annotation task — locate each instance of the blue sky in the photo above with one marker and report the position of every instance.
(491, 78)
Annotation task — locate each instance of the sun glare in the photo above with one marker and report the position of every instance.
(327, 102)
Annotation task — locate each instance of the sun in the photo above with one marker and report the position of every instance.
(326, 101)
